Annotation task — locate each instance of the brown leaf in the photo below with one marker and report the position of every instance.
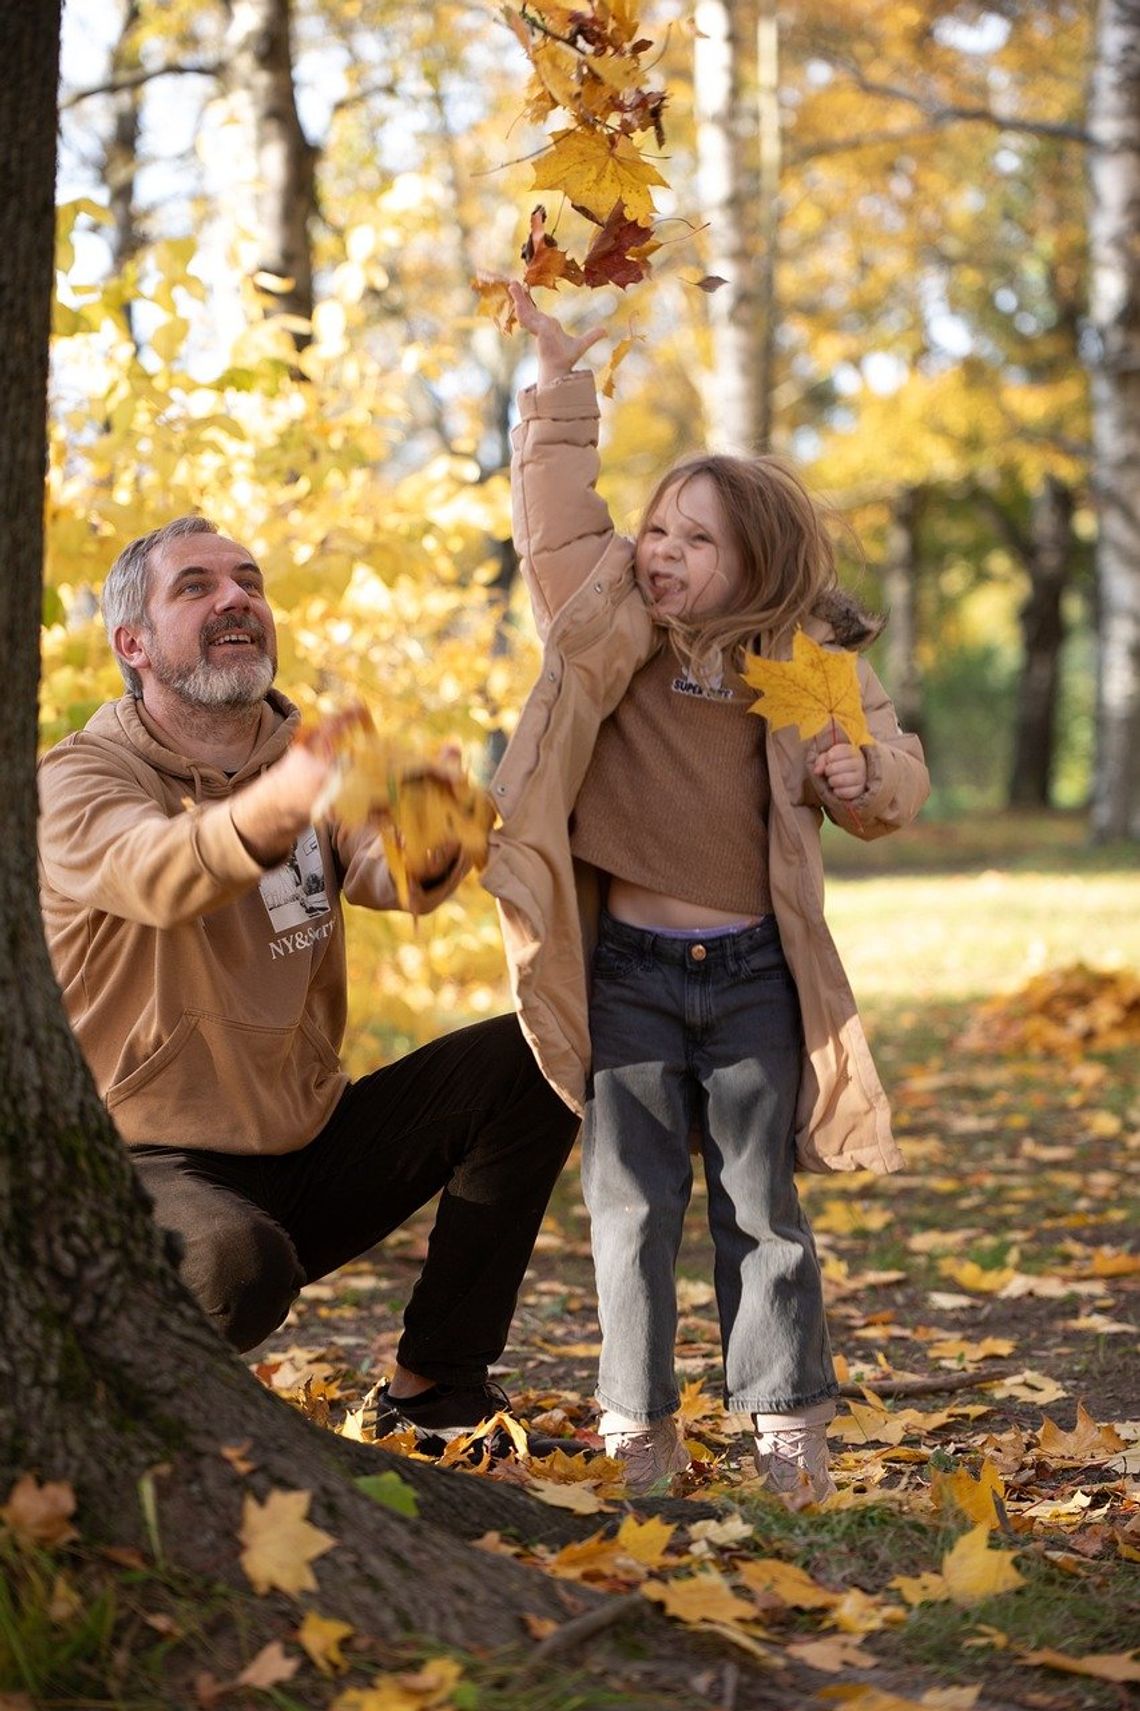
(710, 283)
(40, 1514)
(609, 260)
(269, 1668)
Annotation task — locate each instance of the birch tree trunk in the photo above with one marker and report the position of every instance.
(734, 75)
(1114, 246)
(280, 187)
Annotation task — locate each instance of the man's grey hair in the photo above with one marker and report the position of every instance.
(127, 586)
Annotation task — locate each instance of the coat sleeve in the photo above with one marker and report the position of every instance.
(897, 780)
(106, 843)
(562, 527)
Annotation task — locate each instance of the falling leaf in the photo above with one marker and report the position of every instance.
(710, 283)
(608, 259)
(817, 688)
(973, 1572)
(279, 1543)
(606, 378)
(321, 1638)
(40, 1514)
(495, 301)
(597, 170)
(419, 807)
(269, 1668)
(705, 1597)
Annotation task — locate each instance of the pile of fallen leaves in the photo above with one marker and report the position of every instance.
(1070, 1011)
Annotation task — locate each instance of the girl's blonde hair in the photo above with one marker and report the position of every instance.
(780, 533)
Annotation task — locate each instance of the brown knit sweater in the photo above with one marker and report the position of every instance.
(676, 795)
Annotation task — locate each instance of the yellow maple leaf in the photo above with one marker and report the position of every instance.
(974, 1498)
(581, 1499)
(494, 301)
(419, 807)
(925, 1588)
(973, 1572)
(1105, 1666)
(597, 169)
(321, 1637)
(40, 1514)
(645, 1541)
(980, 1281)
(703, 1597)
(832, 1653)
(818, 687)
(788, 1581)
(1087, 1442)
(585, 1557)
(279, 1543)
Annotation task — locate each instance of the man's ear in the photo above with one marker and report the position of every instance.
(129, 645)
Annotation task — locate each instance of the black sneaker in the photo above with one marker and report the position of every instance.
(440, 1415)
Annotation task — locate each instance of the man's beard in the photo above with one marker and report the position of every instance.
(242, 683)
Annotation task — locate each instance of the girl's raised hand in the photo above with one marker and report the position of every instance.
(557, 350)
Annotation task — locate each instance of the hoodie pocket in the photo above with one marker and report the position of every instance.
(230, 1086)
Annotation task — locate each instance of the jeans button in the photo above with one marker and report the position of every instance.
(698, 953)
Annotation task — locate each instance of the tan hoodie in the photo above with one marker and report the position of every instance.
(597, 632)
(207, 994)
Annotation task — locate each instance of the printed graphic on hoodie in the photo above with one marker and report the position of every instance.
(294, 893)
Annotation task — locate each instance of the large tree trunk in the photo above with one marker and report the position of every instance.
(737, 183)
(1114, 243)
(107, 1367)
(1048, 564)
(281, 177)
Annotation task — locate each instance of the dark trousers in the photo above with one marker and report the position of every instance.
(469, 1115)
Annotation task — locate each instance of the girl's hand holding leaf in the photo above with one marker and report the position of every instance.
(843, 769)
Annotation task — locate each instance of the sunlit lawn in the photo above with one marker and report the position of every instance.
(961, 911)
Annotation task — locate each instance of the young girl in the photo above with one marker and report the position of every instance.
(658, 834)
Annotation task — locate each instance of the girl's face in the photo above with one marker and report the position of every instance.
(686, 564)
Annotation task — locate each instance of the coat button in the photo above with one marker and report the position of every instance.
(698, 953)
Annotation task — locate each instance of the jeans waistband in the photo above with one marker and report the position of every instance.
(720, 950)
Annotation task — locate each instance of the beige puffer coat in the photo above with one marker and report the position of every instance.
(597, 632)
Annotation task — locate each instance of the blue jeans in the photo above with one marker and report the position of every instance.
(701, 1036)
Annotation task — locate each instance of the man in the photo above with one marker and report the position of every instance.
(193, 915)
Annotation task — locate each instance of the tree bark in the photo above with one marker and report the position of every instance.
(1114, 312)
(1048, 564)
(282, 164)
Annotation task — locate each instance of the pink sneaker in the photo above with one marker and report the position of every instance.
(650, 1454)
(791, 1454)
